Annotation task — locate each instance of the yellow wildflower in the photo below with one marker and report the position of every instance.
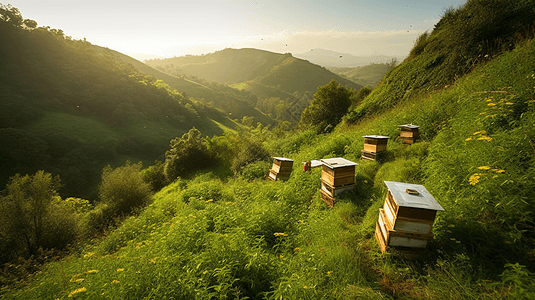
(480, 132)
(120, 270)
(491, 104)
(474, 179)
(499, 171)
(485, 138)
(484, 168)
(88, 254)
(77, 291)
(92, 272)
(74, 279)
(509, 103)
(468, 139)
(115, 282)
(297, 249)
(277, 234)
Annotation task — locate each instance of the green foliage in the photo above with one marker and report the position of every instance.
(186, 154)
(330, 104)
(123, 189)
(252, 151)
(256, 170)
(33, 216)
(155, 176)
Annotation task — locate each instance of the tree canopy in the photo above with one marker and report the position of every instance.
(329, 105)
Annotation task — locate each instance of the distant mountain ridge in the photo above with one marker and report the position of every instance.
(328, 58)
(231, 66)
(261, 77)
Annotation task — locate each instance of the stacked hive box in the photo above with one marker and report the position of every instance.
(281, 169)
(337, 177)
(374, 144)
(407, 218)
(409, 133)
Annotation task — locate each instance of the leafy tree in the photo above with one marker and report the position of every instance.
(123, 188)
(187, 154)
(11, 15)
(330, 104)
(361, 94)
(33, 216)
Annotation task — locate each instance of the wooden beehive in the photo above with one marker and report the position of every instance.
(337, 177)
(281, 169)
(409, 133)
(407, 218)
(373, 145)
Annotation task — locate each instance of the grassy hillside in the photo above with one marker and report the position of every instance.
(71, 108)
(220, 236)
(229, 100)
(368, 75)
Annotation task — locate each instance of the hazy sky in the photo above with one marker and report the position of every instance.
(177, 27)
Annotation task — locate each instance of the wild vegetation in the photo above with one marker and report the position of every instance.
(223, 231)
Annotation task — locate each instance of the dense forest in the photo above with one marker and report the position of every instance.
(204, 222)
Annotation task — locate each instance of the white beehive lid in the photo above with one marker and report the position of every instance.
(410, 126)
(423, 199)
(282, 158)
(373, 136)
(337, 162)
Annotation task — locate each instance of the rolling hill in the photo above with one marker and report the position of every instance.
(368, 75)
(262, 73)
(333, 59)
(235, 104)
(71, 108)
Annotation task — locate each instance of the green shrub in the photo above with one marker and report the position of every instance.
(123, 188)
(34, 216)
(256, 170)
(252, 152)
(187, 154)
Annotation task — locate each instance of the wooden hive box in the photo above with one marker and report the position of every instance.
(281, 169)
(337, 177)
(388, 237)
(410, 207)
(338, 171)
(375, 143)
(409, 133)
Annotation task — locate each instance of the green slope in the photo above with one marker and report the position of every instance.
(79, 109)
(216, 95)
(368, 75)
